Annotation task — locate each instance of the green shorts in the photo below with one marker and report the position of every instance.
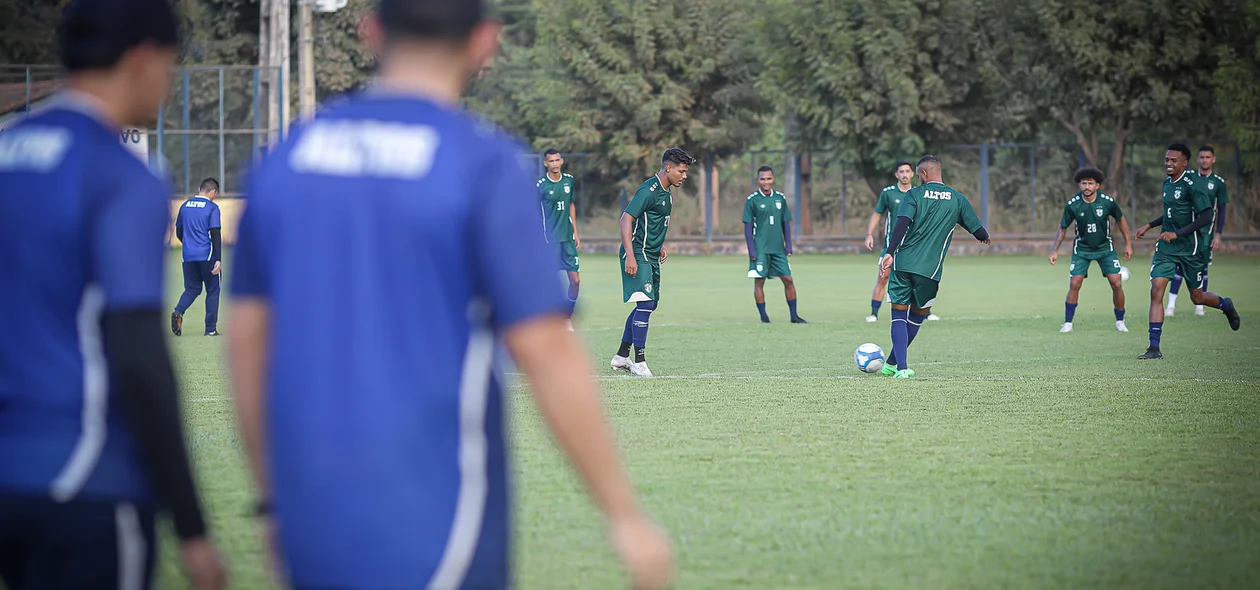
(769, 266)
(1207, 257)
(645, 285)
(1192, 267)
(1107, 261)
(568, 256)
(905, 288)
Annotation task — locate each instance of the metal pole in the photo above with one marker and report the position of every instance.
(222, 163)
(581, 179)
(161, 152)
(28, 91)
(752, 160)
(844, 195)
(1238, 156)
(796, 193)
(306, 61)
(984, 183)
(1032, 190)
(708, 197)
(184, 137)
(253, 146)
(282, 126)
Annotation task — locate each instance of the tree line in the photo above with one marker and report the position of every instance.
(870, 80)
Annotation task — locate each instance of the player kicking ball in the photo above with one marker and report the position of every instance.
(768, 232)
(886, 207)
(916, 255)
(1187, 213)
(1092, 211)
(644, 224)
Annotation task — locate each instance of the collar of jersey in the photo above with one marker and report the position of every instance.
(84, 104)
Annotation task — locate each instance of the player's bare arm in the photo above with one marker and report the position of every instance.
(627, 225)
(559, 373)
(664, 253)
(870, 231)
(577, 240)
(1128, 243)
(1141, 232)
(1058, 241)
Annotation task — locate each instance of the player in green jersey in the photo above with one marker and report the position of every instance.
(886, 208)
(556, 193)
(768, 232)
(1092, 211)
(644, 224)
(925, 227)
(1187, 213)
(1220, 196)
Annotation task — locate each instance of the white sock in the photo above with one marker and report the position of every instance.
(1172, 300)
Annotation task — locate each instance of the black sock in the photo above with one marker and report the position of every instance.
(624, 351)
(638, 355)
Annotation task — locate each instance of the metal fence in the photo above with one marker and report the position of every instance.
(214, 123)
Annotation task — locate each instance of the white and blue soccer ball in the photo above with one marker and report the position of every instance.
(869, 358)
(1124, 273)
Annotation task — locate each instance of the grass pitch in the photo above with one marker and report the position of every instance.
(1019, 457)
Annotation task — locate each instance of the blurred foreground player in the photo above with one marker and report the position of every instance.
(376, 434)
(91, 437)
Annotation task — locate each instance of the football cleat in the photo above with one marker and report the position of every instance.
(931, 318)
(799, 320)
(1198, 310)
(1151, 353)
(888, 371)
(213, 333)
(621, 363)
(640, 369)
(870, 319)
(1169, 311)
(177, 323)
(1232, 315)
(1067, 327)
(1120, 327)
(904, 374)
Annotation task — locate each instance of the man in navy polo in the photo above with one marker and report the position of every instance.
(377, 433)
(199, 229)
(91, 437)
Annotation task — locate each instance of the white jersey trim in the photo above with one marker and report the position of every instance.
(470, 504)
(87, 450)
(131, 548)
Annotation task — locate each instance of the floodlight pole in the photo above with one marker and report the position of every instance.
(306, 61)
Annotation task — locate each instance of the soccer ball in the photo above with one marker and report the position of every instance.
(869, 358)
(1124, 273)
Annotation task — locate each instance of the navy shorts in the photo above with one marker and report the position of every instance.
(48, 545)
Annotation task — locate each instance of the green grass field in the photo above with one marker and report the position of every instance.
(1018, 458)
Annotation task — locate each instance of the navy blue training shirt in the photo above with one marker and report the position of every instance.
(197, 216)
(395, 240)
(82, 224)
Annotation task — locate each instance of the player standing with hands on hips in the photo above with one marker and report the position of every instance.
(1180, 250)
(199, 229)
(91, 437)
(377, 435)
(644, 224)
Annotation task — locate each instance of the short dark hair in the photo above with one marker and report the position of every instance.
(901, 163)
(1180, 147)
(677, 156)
(1207, 148)
(1084, 173)
(95, 34)
(208, 185)
(550, 151)
(928, 159)
(431, 20)
(765, 169)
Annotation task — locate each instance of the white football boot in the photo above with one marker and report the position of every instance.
(640, 369)
(621, 363)
(1120, 327)
(1067, 327)
(933, 317)
(1169, 311)
(870, 319)
(1198, 310)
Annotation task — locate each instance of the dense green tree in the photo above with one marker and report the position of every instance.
(1237, 82)
(626, 79)
(27, 28)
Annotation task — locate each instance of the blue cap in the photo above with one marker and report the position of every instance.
(94, 34)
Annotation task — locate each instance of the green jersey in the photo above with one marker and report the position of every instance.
(767, 213)
(1183, 198)
(1093, 228)
(1218, 194)
(556, 197)
(887, 205)
(934, 210)
(650, 208)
